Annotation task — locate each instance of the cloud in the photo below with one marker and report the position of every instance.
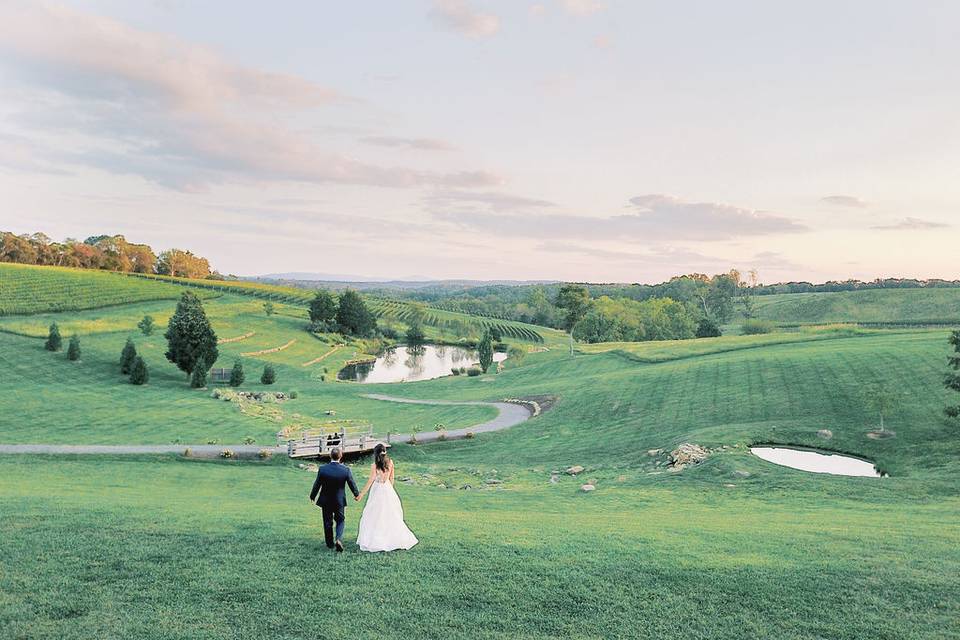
(582, 7)
(134, 102)
(537, 10)
(421, 144)
(657, 217)
(912, 224)
(443, 201)
(459, 16)
(845, 201)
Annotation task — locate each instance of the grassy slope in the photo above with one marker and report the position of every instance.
(31, 289)
(891, 305)
(225, 550)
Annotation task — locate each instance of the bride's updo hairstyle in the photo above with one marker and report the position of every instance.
(380, 457)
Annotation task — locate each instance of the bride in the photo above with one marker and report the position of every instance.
(381, 526)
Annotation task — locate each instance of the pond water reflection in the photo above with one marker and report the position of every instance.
(409, 364)
(816, 462)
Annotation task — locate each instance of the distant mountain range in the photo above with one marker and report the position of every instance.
(339, 281)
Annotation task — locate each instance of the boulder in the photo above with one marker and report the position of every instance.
(554, 479)
(574, 470)
(494, 481)
(826, 434)
(654, 452)
(587, 488)
(687, 454)
(740, 473)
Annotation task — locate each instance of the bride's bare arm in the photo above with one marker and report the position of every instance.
(391, 472)
(366, 487)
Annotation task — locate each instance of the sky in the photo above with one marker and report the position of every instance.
(586, 140)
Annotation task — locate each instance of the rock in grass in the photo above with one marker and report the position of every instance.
(654, 452)
(826, 434)
(587, 488)
(740, 473)
(574, 470)
(494, 481)
(688, 453)
(554, 479)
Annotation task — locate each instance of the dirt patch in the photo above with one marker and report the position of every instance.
(881, 435)
(237, 338)
(266, 351)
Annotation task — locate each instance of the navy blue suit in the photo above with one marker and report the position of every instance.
(328, 494)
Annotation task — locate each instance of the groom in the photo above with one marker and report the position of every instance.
(332, 498)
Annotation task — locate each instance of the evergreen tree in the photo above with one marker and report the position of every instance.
(146, 325)
(485, 351)
(269, 376)
(268, 308)
(54, 341)
(236, 374)
(952, 381)
(190, 338)
(198, 377)
(73, 350)
(139, 375)
(353, 316)
(127, 356)
(323, 308)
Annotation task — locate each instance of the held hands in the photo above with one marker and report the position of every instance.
(358, 498)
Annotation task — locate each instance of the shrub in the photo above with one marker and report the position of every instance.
(54, 341)
(127, 356)
(294, 394)
(268, 308)
(198, 377)
(269, 375)
(708, 329)
(474, 371)
(139, 374)
(265, 454)
(236, 374)
(469, 435)
(754, 327)
(323, 377)
(73, 350)
(516, 353)
(146, 325)
(455, 371)
(249, 440)
(227, 453)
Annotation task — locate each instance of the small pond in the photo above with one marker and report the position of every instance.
(816, 461)
(409, 364)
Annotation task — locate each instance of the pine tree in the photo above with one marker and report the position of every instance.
(139, 374)
(146, 325)
(198, 377)
(73, 350)
(236, 374)
(54, 341)
(952, 380)
(127, 356)
(269, 376)
(190, 338)
(485, 351)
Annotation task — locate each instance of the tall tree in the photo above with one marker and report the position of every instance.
(127, 356)
(353, 316)
(720, 296)
(190, 338)
(323, 308)
(139, 374)
(952, 380)
(268, 308)
(269, 375)
(882, 401)
(73, 349)
(236, 374)
(198, 377)
(54, 340)
(574, 300)
(485, 351)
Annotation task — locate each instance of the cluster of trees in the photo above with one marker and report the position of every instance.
(110, 253)
(347, 314)
(616, 320)
(55, 343)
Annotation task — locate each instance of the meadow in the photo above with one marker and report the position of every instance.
(167, 547)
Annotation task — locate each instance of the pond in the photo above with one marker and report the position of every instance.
(816, 461)
(409, 364)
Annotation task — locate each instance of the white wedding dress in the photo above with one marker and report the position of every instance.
(381, 525)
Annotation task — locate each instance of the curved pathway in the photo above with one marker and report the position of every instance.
(508, 415)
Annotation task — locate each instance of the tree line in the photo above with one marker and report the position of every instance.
(108, 253)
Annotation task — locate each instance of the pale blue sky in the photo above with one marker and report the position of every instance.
(567, 139)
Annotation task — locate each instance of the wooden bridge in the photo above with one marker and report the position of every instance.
(318, 445)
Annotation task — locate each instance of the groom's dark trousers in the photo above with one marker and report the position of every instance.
(328, 494)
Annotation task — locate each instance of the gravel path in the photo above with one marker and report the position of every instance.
(508, 416)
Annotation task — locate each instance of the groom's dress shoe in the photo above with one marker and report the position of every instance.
(339, 546)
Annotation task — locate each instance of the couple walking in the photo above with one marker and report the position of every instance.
(381, 525)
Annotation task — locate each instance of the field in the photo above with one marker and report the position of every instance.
(166, 547)
(876, 306)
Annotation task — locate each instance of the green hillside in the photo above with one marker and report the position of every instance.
(880, 306)
(166, 547)
(28, 289)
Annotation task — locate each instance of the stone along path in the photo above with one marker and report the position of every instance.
(508, 415)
